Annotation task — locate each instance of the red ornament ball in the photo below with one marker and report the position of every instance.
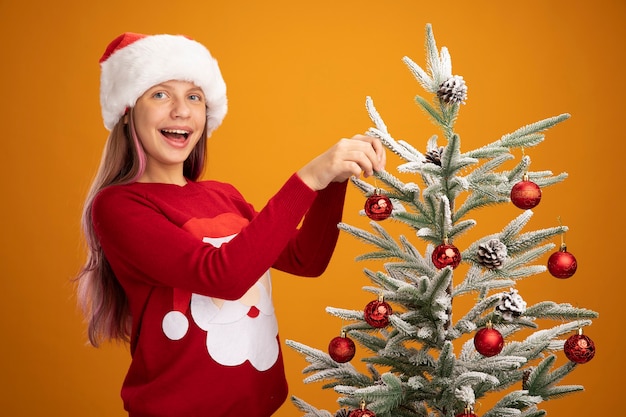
(562, 264)
(466, 414)
(579, 348)
(341, 349)
(378, 207)
(446, 255)
(488, 341)
(525, 195)
(377, 313)
(361, 412)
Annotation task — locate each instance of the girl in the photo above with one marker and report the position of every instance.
(180, 267)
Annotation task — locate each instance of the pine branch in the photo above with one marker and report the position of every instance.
(405, 152)
(367, 339)
(471, 320)
(324, 368)
(523, 137)
(561, 391)
(526, 135)
(533, 413)
(420, 75)
(400, 190)
(473, 378)
(556, 331)
(563, 311)
(317, 358)
(309, 409)
(446, 362)
(482, 282)
(430, 111)
(383, 241)
(542, 382)
(488, 152)
(518, 171)
(546, 179)
(480, 197)
(518, 244)
(513, 403)
(459, 228)
(418, 266)
(381, 398)
(337, 376)
(375, 116)
(433, 62)
(345, 314)
(452, 161)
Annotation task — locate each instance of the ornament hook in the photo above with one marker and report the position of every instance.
(563, 245)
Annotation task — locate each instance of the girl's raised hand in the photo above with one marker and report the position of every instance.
(359, 154)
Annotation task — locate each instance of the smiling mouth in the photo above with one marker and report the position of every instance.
(175, 134)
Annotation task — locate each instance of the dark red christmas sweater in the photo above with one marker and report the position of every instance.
(194, 262)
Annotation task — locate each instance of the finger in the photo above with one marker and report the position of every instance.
(375, 153)
(380, 154)
(379, 149)
(365, 159)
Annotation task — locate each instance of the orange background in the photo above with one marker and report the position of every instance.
(298, 74)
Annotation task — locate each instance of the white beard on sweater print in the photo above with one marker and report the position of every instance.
(245, 329)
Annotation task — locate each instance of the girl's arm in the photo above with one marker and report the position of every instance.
(141, 243)
(310, 251)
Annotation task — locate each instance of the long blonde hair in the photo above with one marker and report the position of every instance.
(100, 295)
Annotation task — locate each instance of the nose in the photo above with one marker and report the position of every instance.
(180, 108)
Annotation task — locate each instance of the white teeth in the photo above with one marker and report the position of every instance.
(176, 131)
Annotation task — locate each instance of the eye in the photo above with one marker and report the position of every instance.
(196, 97)
(159, 95)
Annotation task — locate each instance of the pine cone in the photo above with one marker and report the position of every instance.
(525, 377)
(511, 305)
(434, 156)
(453, 90)
(492, 254)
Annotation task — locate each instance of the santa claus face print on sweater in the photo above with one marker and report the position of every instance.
(237, 331)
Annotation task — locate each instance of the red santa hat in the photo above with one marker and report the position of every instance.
(133, 63)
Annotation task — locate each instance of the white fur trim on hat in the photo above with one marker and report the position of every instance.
(133, 63)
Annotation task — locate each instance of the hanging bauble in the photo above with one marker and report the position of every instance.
(362, 412)
(488, 341)
(446, 255)
(341, 349)
(378, 206)
(562, 264)
(525, 194)
(377, 312)
(579, 348)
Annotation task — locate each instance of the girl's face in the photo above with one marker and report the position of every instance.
(169, 120)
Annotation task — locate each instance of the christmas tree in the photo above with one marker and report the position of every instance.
(408, 330)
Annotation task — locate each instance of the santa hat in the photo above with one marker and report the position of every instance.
(133, 63)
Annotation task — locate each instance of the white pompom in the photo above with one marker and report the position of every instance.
(175, 325)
